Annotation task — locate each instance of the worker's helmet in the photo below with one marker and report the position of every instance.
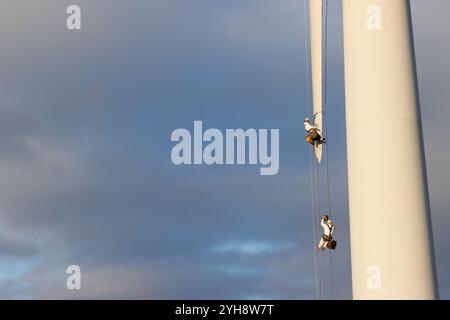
(329, 222)
(306, 120)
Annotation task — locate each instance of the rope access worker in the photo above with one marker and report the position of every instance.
(314, 134)
(327, 239)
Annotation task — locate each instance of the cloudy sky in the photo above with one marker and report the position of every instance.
(85, 171)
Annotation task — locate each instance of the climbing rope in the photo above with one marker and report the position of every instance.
(318, 228)
(314, 168)
(325, 100)
(311, 156)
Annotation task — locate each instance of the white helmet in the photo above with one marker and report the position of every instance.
(306, 120)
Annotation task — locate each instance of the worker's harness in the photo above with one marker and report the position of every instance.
(314, 137)
(330, 237)
(331, 244)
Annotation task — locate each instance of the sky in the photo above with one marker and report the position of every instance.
(86, 176)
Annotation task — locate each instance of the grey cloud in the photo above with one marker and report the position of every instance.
(11, 247)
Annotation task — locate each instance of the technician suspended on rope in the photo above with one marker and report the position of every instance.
(314, 133)
(327, 240)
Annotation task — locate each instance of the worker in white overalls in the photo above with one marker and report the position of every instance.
(327, 239)
(314, 134)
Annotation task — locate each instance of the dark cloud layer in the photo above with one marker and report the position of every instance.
(85, 170)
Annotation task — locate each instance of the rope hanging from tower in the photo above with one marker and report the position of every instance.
(317, 131)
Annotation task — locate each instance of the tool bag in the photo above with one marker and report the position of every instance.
(331, 244)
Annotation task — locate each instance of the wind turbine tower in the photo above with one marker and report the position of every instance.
(390, 227)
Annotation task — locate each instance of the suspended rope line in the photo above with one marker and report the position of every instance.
(318, 228)
(331, 275)
(314, 165)
(313, 206)
(329, 210)
(325, 96)
(311, 156)
(325, 99)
